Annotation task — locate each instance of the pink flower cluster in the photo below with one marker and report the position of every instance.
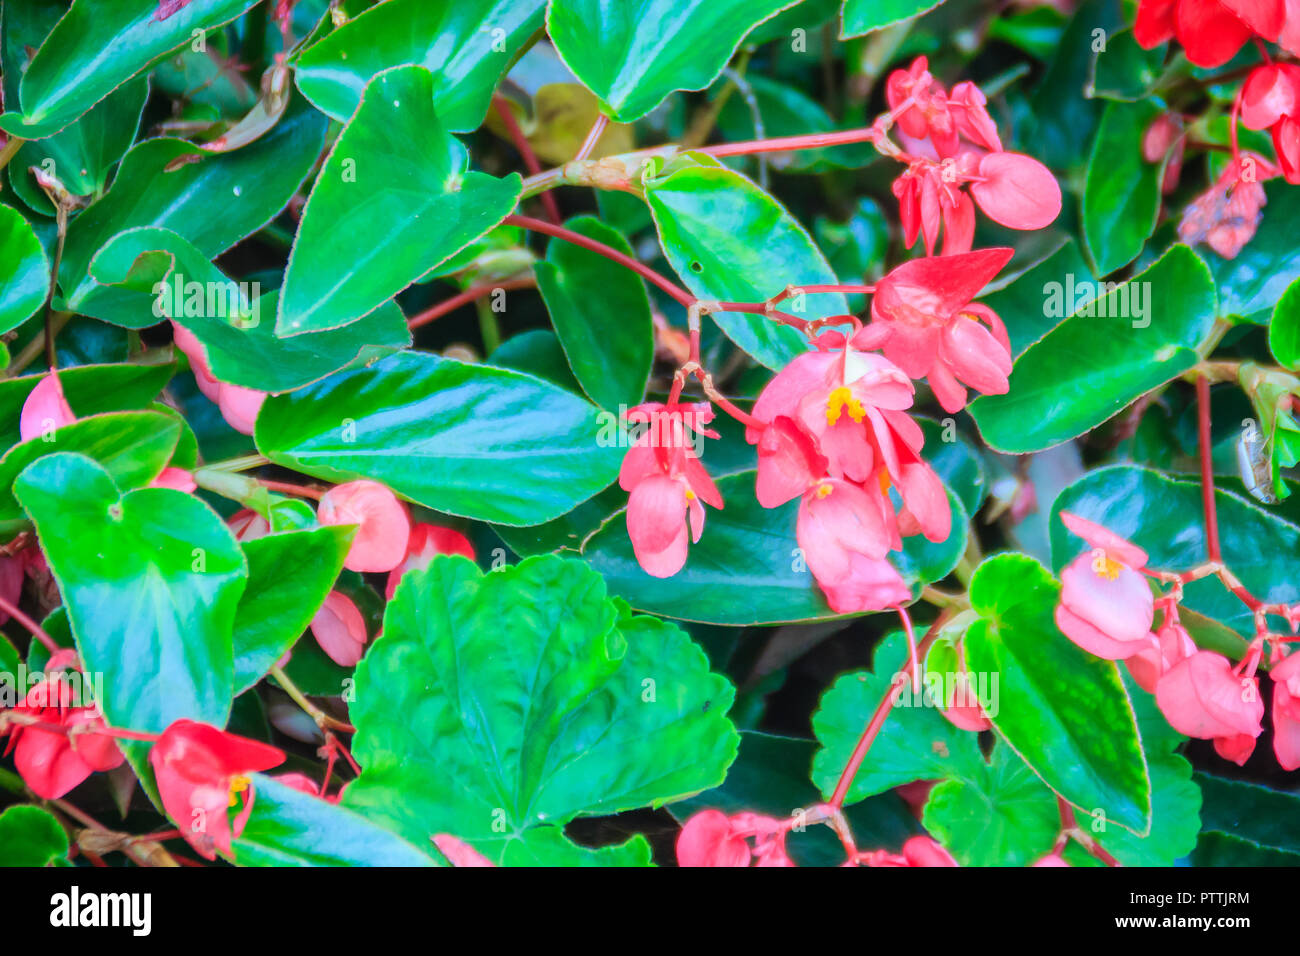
(1107, 607)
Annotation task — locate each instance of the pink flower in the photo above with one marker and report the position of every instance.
(1270, 92)
(666, 485)
(383, 523)
(458, 852)
(1286, 711)
(929, 196)
(427, 541)
(711, 838)
(845, 532)
(923, 317)
(1169, 645)
(917, 851)
(239, 406)
(1165, 136)
(248, 525)
(937, 116)
(175, 478)
(1017, 191)
(305, 784)
(1226, 215)
(340, 630)
(1052, 859)
(1201, 696)
(45, 409)
(1106, 605)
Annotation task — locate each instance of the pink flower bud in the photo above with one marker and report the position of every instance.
(383, 524)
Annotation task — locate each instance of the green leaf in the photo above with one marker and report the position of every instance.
(633, 54)
(731, 241)
(30, 836)
(1250, 284)
(83, 154)
(585, 710)
(1062, 710)
(133, 447)
(916, 743)
(1062, 118)
(747, 568)
(469, 440)
(249, 186)
(25, 279)
(466, 45)
(601, 313)
(955, 460)
(999, 815)
(290, 828)
(151, 580)
(1122, 193)
(1262, 816)
(235, 325)
(861, 17)
(1164, 516)
(1284, 329)
(289, 576)
(394, 199)
(548, 846)
(770, 776)
(1082, 373)
(1020, 302)
(96, 47)
(89, 389)
(1124, 71)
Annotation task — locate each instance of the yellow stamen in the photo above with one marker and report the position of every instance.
(824, 490)
(1104, 566)
(690, 495)
(884, 482)
(841, 399)
(238, 785)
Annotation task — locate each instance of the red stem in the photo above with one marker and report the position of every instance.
(1207, 468)
(568, 235)
(36, 630)
(286, 488)
(465, 298)
(526, 151)
(783, 144)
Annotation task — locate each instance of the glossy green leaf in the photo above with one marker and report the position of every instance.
(466, 45)
(633, 53)
(863, 16)
(30, 836)
(601, 313)
(732, 242)
(290, 828)
(916, 743)
(1284, 329)
(1062, 118)
(289, 575)
(133, 447)
(1252, 282)
(89, 389)
(1124, 71)
(469, 440)
(1122, 193)
(151, 580)
(96, 47)
(394, 199)
(748, 568)
(955, 460)
(1000, 814)
(25, 275)
(1026, 303)
(249, 186)
(1111, 349)
(1165, 517)
(1263, 816)
(586, 708)
(235, 325)
(1062, 710)
(548, 846)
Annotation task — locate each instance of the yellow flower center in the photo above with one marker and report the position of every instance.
(842, 399)
(690, 495)
(238, 784)
(1104, 566)
(824, 490)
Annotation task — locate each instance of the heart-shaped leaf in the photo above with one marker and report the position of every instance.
(30, 836)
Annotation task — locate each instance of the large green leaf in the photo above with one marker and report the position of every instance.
(633, 53)
(862, 16)
(25, 278)
(731, 241)
(151, 580)
(290, 828)
(30, 836)
(601, 313)
(1262, 816)
(1062, 710)
(748, 568)
(1124, 71)
(1284, 329)
(1111, 350)
(583, 709)
(89, 389)
(1165, 517)
(289, 575)
(213, 203)
(1019, 303)
(916, 743)
(471, 440)
(394, 199)
(133, 447)
(96, 47)
(1255, 279)
(466, 45)
(238, 336)
(1122, 193)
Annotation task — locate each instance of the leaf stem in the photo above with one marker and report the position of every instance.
(472, 294)
(525, 149)
(1207, 468)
